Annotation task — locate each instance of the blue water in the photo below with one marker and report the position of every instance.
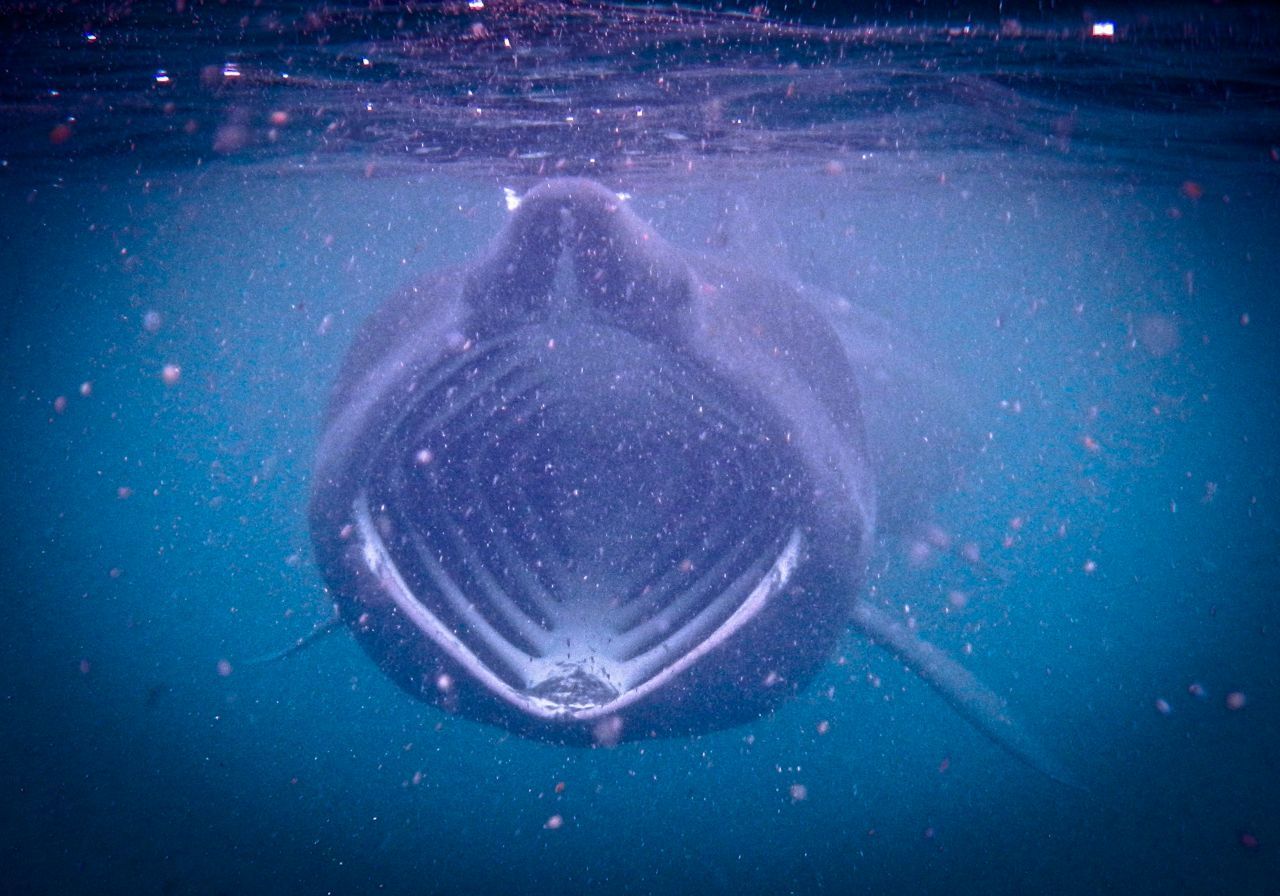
(1098, 316)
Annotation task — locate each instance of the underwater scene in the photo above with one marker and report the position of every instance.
(496, 447)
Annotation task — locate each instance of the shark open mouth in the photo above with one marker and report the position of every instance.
(575, 516)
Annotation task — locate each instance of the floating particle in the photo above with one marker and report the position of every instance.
(944, 765)
(123, 492)
(1236, 700)
(1197, 690)
(86, 389)
(84, 667)
(224, 668)
(1163, 707)
(608, 731)
(1158, 334)
(799, 793)
(559, 787)
(823, 727)
(1090, 567)
(938, 537)
(554, 823)
(444, 683)
(60, 134)
(423, 457)
(1090, 444)
(170, 374)
(60, 404)
(1192, 190)
(152, 321)
(279, 118)
(231, 137)
(1248, 839)
(958, 600)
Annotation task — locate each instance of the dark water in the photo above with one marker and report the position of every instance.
(1076, 238)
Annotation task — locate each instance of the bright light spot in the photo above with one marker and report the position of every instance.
(162, 77)
(512, 198)
(90, 36)
(475, 4)
(366, 63)
(1103, 29)
(231, 70)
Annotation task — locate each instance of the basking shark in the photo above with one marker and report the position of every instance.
(591, 487)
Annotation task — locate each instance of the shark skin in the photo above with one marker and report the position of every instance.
(591, 487)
